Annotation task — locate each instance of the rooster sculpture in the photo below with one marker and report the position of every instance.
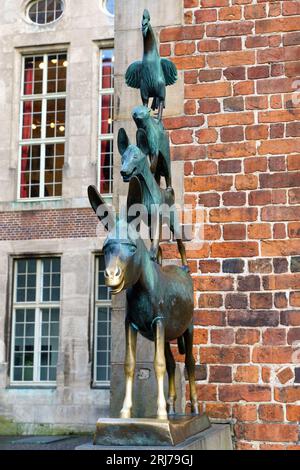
(153, 73)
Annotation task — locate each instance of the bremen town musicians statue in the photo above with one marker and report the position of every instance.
(159, 298)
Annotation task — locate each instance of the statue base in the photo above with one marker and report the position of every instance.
(149, 431)
(217, 437)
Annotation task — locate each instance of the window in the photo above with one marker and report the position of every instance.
(42, 133)
(45, 11)
(102, 342)
(106, 109)
(109, 6)
(35, 327)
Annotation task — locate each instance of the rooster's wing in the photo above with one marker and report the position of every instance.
(133, 75)
(170, 71)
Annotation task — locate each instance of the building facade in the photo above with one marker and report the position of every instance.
(233, 119)
(57, 61)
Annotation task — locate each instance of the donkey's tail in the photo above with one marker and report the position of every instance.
(181, 345)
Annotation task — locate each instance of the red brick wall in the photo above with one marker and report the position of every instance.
(47, 224)
(240, 140)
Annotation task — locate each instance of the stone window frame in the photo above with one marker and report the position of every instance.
(43, 141)
(105, 303)
(38, 305)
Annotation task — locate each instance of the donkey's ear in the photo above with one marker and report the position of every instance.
(101, 209)
(134, 201)
(123, 141)
(135, 192)
(142, 141)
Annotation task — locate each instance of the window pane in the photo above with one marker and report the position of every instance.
(49, 344)
(103, 348)
(26, 280)
(107, 66)
(23, 347)
(51, 280)
(30, 171)
(106, 166)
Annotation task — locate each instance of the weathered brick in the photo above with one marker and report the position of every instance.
(253, 318)
(234, 232)
(210, 301)
(218, 410)
(235, 198)
(238, 392)
(233, 215)
(248, 283)
(209, 317)
(272, 355)
(227, 250)
(270, 412)
(233, 266)
(248, 374)
(261, 300)
(287, 394)
(223, 336)
(236, 301)
(224, 355)
(267, 432)
(247, 336)
(274, 336)
(244, 412)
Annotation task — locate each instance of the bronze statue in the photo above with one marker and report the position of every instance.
(152, 74)
(160, 304)
(158, 141)
(160, 299)
(135, 163)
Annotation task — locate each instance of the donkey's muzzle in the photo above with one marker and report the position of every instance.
(114, 279)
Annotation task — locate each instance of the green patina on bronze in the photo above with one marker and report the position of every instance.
(158, 141)
(135, 163)
(152, 74)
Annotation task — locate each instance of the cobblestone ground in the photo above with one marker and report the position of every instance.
(36, 442)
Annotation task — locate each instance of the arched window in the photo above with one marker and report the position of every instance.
(45, 11)
(109, 6)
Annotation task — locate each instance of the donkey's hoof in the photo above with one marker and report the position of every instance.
(125, 414)
(162, 414)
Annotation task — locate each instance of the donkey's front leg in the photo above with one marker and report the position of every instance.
(129, 366)
(160, 368)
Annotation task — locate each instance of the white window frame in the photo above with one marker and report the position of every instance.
(102, 137)
(98, 303)
(38, 306)
(43, 141)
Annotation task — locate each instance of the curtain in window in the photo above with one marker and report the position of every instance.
(27, 123)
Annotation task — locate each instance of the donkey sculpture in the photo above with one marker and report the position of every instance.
(154, 198)
(159, 304)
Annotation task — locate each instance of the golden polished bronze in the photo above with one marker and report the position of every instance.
(149, 432)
